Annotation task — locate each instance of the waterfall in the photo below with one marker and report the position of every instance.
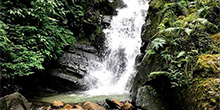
(123, 41)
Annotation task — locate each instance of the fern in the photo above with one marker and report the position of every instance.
(157, 43)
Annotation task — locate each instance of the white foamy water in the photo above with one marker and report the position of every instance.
(113, 74)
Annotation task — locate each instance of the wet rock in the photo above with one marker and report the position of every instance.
(86, 48)
(113, 104)
(118, 103)
(148, 99)
(78, 107)
(73, 80)
(127, 106)
(72, 67)
(47, 108)
(204, 95)
(76, 58)
(57, 104)
(68, 106)
(14, 101)
(92, 106)
(68, 109)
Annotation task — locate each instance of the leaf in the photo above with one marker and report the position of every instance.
(150, 52)
(158, 42)
(153, 75)
(52, 19)
(181, 54)
(202, 20)
(188, 31)
(166, 56)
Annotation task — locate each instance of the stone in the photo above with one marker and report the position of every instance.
(92, 106)
(78, 107)
(127, 106)
(86, 48)
(113, 104)
(118, 103)
(74, 81)
(47, 108)
(82, 67)
(207, 96)
(14, 101)
(57, 104)
(68, 106)
(67, 109)
(149, 99)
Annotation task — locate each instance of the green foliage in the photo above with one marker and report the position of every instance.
(155, 74)
(158, 42)
(32, 33)
(183, 33)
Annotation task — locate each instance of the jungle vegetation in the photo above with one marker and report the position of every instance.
(34, 32)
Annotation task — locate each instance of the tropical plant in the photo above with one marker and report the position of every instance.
(32, 33)
(184, 33)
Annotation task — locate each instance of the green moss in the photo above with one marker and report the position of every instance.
(209, 64)
(202, 2)
(84, 41)
(157, 3)
(216, 37)
(153, 19)
(204, 94)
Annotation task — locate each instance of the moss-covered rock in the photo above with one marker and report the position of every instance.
(153, 19)
(148, 99)
(208, 65)
(216, 38)
(188, 53)
(204, 95)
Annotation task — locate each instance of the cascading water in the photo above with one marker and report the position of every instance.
(112, 75)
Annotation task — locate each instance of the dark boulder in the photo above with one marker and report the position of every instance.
(148, 99)
(112, 104)
(14, 101)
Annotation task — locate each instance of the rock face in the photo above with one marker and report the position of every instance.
(14, 101)
(142, 96)
(73, 65)
(204, 95)
(75, 60)
(200, 90)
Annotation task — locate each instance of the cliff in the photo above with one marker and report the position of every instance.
(181, 61)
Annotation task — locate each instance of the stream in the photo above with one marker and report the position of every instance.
(81, 97)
